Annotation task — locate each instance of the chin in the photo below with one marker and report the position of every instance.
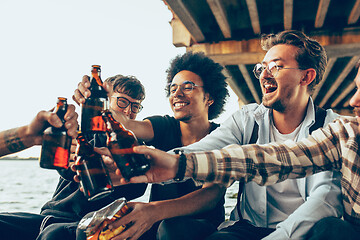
(183, 118)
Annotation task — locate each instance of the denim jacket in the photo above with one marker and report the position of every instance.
(321, 192)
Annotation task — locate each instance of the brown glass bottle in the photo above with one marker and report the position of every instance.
(92, 123)
(94, 177)
(120, 142)
(55, 151)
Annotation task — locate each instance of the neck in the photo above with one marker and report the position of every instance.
(286, 122)
(193, 131)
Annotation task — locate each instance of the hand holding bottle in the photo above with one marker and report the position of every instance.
(44, 118)
(83, 92)
(20, 138)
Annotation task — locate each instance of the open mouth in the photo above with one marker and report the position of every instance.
(269, 88)
(179, 105)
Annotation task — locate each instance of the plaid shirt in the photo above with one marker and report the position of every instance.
(335, 147)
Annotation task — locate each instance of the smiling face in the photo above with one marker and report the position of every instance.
(189, 106)
(355, 99)
(283, 91)
(127, 111)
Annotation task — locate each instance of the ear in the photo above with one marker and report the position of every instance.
(309, 76)
(210, 102)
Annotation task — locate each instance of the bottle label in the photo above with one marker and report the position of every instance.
(98, 124)
(61, 158)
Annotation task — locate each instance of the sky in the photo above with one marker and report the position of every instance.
(46, 46)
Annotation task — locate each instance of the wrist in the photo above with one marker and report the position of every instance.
(157, 210)
(181, 159)
(28, 137)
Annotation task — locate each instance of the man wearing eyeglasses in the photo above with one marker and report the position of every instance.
(197, 91)
(59, 216)
(291, 68)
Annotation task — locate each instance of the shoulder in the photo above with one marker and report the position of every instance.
(162, 120)
(331, 116)
(247, 112)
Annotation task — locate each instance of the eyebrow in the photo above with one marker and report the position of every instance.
(274, 60)
(186, 81)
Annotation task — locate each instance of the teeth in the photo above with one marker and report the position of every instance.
(180, 104)
(269, 86)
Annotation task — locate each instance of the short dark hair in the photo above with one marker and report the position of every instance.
(310, 55)
(210, 73)
(129, 85)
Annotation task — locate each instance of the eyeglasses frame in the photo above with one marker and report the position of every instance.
(181, 88)
(278, 68)
(130, 103)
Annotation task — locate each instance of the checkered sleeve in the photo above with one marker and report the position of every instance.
(274, 162)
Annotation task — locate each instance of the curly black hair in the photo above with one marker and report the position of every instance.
(210, 73)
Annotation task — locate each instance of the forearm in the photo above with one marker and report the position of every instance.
(142, 129)
(201, 200)
(15, 140)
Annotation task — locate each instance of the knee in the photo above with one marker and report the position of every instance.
(184, 228)
(330, 228)
(221, 236)
(169, 228)
(56, 232)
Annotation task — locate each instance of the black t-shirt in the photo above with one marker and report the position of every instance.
(167, 136)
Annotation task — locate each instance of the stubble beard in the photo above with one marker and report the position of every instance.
(277, 105)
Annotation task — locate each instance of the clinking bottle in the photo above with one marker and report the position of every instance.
(120, 142)
(55, 151)
(92, 124)
(94, 177)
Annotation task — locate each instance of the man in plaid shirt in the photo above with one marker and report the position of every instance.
(335, 147)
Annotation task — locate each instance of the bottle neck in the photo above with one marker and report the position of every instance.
(97, 78)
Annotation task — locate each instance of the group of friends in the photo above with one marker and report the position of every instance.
(297, 164)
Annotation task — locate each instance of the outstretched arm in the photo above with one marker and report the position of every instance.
(18, 139)
(263, 164)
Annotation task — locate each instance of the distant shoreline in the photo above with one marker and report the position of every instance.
(19, 158)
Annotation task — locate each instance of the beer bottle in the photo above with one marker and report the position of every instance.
(94, 177)
(55, 151)
(120, 142)
(92, 124)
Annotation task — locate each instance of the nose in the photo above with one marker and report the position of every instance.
(355, 100)
(266, 74)
(127, 110)
(178, 91)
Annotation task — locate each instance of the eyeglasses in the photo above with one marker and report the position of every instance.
(124, 103)
(186, 87)
(272, 69)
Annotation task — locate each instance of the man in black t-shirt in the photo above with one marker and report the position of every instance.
(197, 92)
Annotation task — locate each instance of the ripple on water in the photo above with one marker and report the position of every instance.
(31, 187)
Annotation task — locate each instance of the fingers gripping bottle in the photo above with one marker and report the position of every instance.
(120, 143)
(92, 124)
(55, 151)
(94, 177)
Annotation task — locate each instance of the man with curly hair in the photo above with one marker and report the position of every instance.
(197, 91)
